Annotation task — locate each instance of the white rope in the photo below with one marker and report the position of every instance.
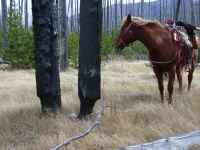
(95, 124)
(179, 143)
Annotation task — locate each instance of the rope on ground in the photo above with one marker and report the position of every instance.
(181, 142)
(95, 124)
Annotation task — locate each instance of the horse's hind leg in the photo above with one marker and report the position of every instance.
(190, 76)
(191, 71)
(159, 76)
(171, 84)
(179, 77)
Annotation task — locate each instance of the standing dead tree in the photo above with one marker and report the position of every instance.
(47, 71)
(26, 14)
(4, 23)
(62, 26)
(177, 9)
(89, 78)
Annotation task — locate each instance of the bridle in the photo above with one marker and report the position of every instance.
(121, 39)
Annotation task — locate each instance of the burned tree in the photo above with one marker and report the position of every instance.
(26, 14)
(177, 9)
(89, 55)
(4, 23)
(63, 35)
(47, 72)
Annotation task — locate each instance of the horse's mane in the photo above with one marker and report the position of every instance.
(143, 22)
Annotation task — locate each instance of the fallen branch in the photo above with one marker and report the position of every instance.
(96, 123)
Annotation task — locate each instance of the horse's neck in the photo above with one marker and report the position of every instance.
(145, 36)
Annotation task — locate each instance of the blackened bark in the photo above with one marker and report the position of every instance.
(133, 8)
(26, 14)
(115, 14)
(47, 72)
(178, 9)
(142, 8)
(108, 17)
(121, 10)
(89, 56)
(4, 23)
(160, 5)
(63, 35)
(192, 12)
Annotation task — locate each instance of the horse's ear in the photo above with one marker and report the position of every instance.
(129, 19)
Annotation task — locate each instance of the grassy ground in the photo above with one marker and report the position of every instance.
(133, 114)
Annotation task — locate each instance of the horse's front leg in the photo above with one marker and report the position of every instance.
(159, 76)
(179, 77)
(190, 76)
(171, 75)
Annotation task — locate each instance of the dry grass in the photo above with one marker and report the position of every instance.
(133, 114)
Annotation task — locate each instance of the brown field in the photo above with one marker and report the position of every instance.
(133, 113)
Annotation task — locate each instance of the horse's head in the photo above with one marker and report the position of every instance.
(126, 34)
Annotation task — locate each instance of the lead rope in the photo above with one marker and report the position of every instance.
(94, 125)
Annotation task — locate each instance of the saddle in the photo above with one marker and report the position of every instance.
(175, 34)
(182, 40)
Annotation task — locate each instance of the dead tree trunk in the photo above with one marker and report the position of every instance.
(63, 35)
(4, 23)
(115, 14)
(89, 55)
(133, 7)
(142, 8)
(121, 10)
(26, 14)
(178, 9)
(192, 12)
(47, 71)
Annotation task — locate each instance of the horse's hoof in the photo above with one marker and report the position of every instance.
(180, 91)
(189, 88)
(170, 102)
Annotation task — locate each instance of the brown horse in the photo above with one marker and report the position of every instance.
(184, 56)
(164, 54)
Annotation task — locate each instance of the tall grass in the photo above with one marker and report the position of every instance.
(134, 113)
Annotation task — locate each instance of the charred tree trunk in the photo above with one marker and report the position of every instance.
(142, 8)
(4, 23)
(115, 14)
(121, 9)
(108, 18)
(47, 72)
(89, 55)
(72, 16)
(178, 9)
(63, 35)
(160, 6)
(149, 10)
(192, 12)
(133, 7)
(26, 14)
